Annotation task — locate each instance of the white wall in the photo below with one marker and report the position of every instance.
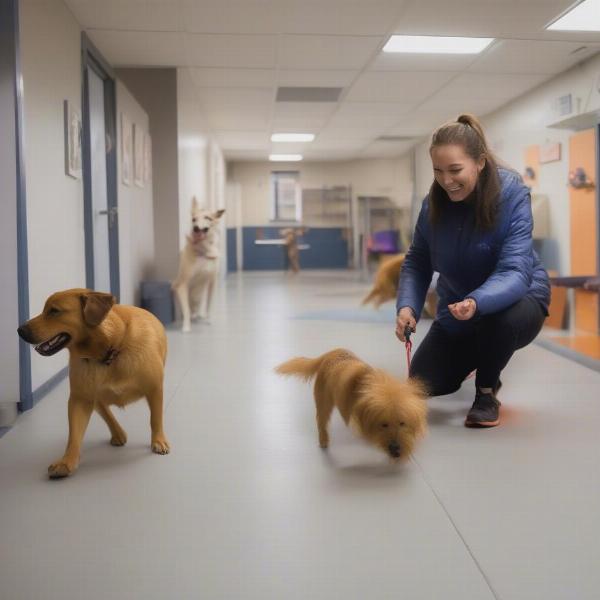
(136, 218)
(524, 122)
(51, 63)
(372, 177)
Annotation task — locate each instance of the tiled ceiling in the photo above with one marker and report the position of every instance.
(232, 56)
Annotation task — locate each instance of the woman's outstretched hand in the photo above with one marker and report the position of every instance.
(463, 311)
(405, 318)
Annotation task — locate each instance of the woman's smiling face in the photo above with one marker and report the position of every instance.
(455, 170)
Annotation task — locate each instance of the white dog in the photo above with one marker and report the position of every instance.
(198, 266)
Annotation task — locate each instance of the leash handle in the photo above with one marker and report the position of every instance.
(408, 344)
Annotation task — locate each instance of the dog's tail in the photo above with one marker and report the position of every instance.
(306, 368)
(372, 295)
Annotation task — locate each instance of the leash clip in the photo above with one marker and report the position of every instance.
(408, 344)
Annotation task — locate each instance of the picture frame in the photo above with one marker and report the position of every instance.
(147, 158)
(126, 150)
(138, 155)
(73, 140)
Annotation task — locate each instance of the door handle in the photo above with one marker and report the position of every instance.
(112, 214)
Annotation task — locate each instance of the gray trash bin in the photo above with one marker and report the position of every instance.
(158, 299)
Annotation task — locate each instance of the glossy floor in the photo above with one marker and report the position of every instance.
(247, 506)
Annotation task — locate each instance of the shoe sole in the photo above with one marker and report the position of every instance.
(481, 424)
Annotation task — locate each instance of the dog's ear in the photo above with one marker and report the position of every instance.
(95, 307)
(195, 206)
(219, 213)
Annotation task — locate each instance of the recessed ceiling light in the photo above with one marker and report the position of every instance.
(584, 17)
(429, 44)
(292, 137)
(285, 157)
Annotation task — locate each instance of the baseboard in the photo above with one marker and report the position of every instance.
(46, 388)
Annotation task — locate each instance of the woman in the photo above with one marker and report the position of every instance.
(474, 228)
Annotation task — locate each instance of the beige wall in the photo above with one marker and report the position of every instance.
(383, 177)
(51, 63)
(136, 215)
(156, 91)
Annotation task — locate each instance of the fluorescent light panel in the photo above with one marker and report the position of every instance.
(285, 157)
(429, 44)
(292, 137)
(584, 17)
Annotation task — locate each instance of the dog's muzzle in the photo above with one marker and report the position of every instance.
(394, 450)
(25, 334)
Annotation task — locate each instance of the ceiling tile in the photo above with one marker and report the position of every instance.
(246, 51)
(140, 48)
(326, 52)
(397, 86)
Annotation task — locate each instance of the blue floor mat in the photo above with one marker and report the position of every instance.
(355, 315)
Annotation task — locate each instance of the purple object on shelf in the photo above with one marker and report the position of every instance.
(384, 242)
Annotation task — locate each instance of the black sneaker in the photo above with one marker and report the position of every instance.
(484, 412)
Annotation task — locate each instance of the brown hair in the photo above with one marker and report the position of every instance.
(467, 132)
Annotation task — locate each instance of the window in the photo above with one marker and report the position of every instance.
(286, 197)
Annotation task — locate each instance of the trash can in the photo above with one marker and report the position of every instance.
(156, 297)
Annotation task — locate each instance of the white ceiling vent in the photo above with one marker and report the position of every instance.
(308, 94)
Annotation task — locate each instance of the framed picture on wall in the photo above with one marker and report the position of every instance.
(126, 150)
(147, 158)
(73, 133)
(138, 155)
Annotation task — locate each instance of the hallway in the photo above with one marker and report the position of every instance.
(248, 506)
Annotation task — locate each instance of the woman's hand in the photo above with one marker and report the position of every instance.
(405, 317)
(463, 311)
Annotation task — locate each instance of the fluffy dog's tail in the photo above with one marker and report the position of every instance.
(306, 368)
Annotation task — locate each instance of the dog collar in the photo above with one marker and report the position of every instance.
(110, 355)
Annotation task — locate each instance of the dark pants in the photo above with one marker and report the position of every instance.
(443, 361)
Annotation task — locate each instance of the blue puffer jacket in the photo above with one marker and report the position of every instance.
(496, 268)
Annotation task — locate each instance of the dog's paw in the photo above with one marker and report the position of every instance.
(118, 439)
(60, 468)
(160, 446)
(186, 328)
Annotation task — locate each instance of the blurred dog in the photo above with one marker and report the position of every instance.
(116, 356)
(385, 286)
(389, 414)
(198, 266)
(291, 235)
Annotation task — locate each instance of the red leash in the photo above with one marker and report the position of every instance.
(408, 344)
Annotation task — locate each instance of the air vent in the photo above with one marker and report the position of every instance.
(308, 94)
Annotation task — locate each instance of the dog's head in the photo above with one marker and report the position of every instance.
(69, 317)
(203, 221)
(390, 414)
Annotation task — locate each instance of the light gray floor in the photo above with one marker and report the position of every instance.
(247, 506)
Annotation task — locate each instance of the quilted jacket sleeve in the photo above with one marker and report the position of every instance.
(511, 279)
(417, 270)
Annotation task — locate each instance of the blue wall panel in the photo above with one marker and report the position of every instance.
(328, 249)
(231, 251)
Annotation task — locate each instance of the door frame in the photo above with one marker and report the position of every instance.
(91, 58)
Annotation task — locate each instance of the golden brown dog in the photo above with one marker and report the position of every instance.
(390, 414)
(116, 356)
(385, 287)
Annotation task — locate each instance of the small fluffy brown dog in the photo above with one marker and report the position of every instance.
(385, 287)
(389, 414)
(116, 356)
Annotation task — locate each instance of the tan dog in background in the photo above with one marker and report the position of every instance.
(291, 235)
(198, 266)
(389, 414)
(116, 356)
(385, 286)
